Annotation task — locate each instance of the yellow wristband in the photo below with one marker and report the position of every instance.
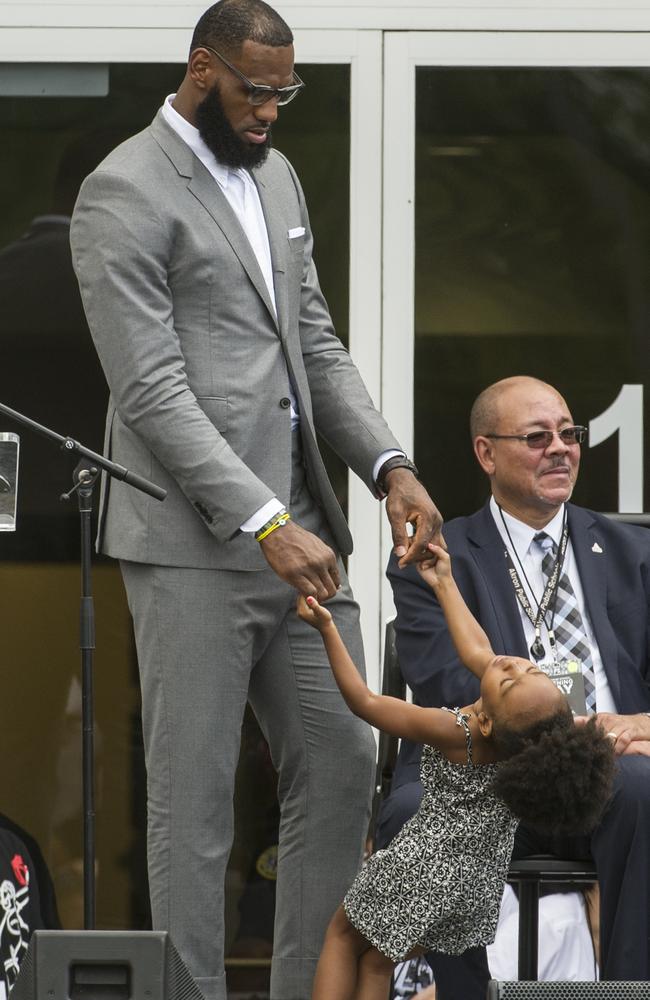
(277, 522)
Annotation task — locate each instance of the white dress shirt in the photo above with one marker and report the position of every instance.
(524, 552)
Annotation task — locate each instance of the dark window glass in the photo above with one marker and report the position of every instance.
(532, 257)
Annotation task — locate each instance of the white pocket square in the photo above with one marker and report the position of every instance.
(294, 233)
(596, 547)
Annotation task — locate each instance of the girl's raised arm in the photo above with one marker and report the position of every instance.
(471, 642)
(391, 715)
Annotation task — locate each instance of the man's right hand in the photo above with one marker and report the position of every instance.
(302, 560)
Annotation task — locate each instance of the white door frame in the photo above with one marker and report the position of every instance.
(363, 51)
(403, 52)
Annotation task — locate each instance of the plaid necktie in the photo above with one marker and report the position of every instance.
(570, 635)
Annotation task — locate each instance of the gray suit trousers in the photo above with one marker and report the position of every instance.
(207, 641)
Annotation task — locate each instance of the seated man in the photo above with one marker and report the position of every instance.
(558, 583)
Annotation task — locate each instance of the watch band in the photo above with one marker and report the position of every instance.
(396, 462)
(277, 521)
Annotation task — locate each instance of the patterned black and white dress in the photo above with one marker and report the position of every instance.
(438, 885)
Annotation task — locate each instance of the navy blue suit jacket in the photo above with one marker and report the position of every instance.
(616, 585)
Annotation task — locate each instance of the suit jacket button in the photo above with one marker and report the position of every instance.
(285, 402)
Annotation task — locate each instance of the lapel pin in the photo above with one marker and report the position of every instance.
(596, 548)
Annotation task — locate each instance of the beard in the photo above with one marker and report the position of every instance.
(221, 138)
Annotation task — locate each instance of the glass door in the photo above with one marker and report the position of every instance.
(517, 241)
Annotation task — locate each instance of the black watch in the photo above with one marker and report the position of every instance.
(396, 462)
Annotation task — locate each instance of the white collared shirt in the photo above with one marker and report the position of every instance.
(525, 553)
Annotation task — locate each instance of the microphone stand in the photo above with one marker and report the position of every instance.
(84, 478)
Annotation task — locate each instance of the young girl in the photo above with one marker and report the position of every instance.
(438, 885)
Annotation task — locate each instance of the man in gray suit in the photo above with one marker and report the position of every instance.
(193, 250)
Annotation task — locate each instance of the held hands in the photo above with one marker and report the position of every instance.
(407, 502)
(302, 560)
(435, 568)
(313, 613)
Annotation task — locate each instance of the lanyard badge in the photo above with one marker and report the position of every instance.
(566, 674)
(549, 596)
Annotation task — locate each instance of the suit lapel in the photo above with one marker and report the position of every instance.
(591, 556)
(487, 548)
(206, 190)
(277, 233)
(208, 193)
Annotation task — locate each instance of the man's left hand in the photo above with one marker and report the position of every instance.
(629, 733)
(407, 502)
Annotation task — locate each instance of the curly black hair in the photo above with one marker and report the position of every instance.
(557, 776)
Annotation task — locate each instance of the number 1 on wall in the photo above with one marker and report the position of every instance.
(625, 415)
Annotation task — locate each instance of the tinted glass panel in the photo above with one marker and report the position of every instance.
(533, 254)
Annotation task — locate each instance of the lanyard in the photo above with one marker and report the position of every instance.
(549, 595)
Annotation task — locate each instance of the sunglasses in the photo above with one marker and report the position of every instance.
(542, 439)
(259, 93)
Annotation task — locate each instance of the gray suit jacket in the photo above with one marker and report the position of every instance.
(198, 366)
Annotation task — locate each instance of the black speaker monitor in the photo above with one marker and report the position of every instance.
(568, 991)
(103, 965)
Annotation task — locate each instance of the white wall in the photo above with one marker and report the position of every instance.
(68, 18)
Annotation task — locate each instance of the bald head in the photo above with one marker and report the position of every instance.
(493, 403)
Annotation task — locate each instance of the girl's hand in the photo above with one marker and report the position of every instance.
(436, 568)
(313, 613)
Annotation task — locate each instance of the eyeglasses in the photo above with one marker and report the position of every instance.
(542, 439)
(259, 93)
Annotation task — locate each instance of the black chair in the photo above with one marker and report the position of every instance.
(529, 875)
(392, 684)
